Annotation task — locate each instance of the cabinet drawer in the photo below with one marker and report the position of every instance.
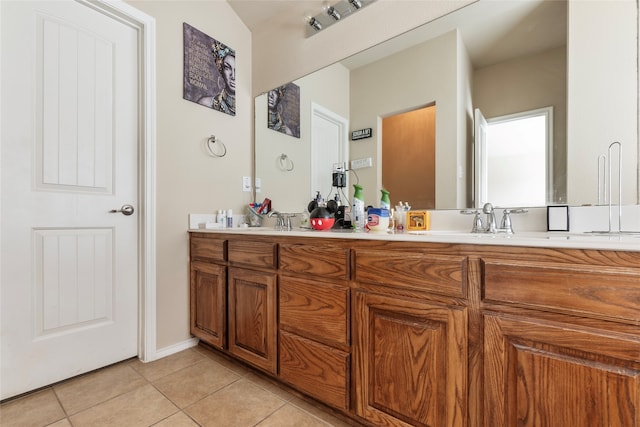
(586, 290)
(443, 274)
(320, 260)
(316, 369)
(207, 248)
(315, 309)
(257, 254)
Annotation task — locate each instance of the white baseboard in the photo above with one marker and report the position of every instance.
(174, 348)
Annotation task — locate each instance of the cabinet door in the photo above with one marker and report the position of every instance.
(410, 361)
(539, 373)
(252, 317)
(208, 303)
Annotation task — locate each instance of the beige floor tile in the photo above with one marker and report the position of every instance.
(88, 390)
(290, 416)
(177, 420)
(191, 384)
(233, 366)
(62, 423)
(279, 391)
(143, 406)
(36, 409)
(321, 413)
(242, 404)
(167, 365)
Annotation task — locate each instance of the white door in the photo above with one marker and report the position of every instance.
(329, 146)
(69, 155)
(480, 159)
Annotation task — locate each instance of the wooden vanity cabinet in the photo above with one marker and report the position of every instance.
(315, 336)
(561, 340)
(252, 303)
(208, 295)
(395, 333)
(410, 345)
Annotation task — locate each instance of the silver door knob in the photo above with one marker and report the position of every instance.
(124, 210)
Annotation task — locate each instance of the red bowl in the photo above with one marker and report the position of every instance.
(322, 223)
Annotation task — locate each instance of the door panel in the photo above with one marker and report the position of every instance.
(409, 156)
(329, 146)
(252, 317)
(76, 91)
(69, 156)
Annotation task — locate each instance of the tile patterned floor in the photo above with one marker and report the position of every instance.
(196, 387)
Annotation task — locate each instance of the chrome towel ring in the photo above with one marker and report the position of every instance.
(216, 147)
(286, 164)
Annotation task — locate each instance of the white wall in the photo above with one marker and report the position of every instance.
(602, 95)
(188, 180)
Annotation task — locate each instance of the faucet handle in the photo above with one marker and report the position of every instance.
(478, 226)
(505, 224)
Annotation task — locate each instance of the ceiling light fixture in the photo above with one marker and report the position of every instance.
(314, 23)
(332, 12)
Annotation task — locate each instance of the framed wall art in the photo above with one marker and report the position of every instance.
(209, 71)
(283, 109)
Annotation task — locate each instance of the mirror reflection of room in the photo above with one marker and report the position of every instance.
(517, 64)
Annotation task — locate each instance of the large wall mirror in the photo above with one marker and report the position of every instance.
(506, 60)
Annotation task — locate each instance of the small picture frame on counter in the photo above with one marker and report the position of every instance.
(418, 221)
(558, 218)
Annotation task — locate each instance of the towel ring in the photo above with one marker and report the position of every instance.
(212, 143)
(286, 164)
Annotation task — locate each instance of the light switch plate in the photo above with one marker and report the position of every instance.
(366, 162)
(246, 183)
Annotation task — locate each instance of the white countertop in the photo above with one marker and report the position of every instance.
(626, 242)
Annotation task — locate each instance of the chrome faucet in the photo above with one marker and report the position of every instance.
(490, 222)
(283, 220)
(488, 226)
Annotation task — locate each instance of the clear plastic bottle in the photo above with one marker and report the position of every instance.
(304, 219)
(357, 213)
(400, 217)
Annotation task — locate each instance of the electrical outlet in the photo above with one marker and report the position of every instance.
(258, 185)
(339, 180)
(365, 162)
